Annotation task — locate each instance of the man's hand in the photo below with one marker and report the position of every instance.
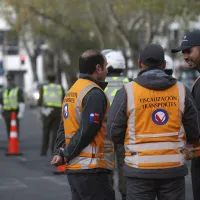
(20, 115)
(57, 160)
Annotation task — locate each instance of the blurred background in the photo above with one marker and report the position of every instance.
(37, 36)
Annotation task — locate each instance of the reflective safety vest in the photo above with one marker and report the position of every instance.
(10, 99)
(155, 136)
(114, 84)
(100, 152)
(52, 95)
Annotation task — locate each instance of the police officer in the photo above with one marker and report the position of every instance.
(50, 101)
(150, 116)
(190, 48)
(89, 153)
(116, 79)
(11, 100)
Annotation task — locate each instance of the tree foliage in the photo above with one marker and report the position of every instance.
(71, 26)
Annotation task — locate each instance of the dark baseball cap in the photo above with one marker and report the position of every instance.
(152, 55)
(190, 40)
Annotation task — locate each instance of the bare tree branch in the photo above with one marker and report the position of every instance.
(58, 22)
(134, 20)
(95, 23)
(122, 34)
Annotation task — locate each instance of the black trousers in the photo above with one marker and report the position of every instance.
(195, 172)
(50, 127)
(120, 154)
(93, 186)
(149, 189)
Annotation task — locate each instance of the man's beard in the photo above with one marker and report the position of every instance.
(193, 65)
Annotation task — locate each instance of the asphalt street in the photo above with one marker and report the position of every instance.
(30, 176)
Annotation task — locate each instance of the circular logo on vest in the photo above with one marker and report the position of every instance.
(160, 117)
(65, 111)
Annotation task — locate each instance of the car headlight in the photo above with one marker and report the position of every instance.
(36, 95)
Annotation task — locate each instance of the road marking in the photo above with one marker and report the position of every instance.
(22, 159)
(53, 179)
(11, 184)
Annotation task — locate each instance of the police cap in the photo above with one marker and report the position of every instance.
(10, 76)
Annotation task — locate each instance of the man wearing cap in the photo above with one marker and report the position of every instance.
(149, 115)
(11, 99)
(190, 48)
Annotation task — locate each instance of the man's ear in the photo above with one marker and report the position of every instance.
(164, 64)
(98, 67)
(139, 64)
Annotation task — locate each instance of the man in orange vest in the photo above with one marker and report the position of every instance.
(190, 48)
(88, 152)
(154, 116)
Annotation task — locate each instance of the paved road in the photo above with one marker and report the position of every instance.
(30, 177)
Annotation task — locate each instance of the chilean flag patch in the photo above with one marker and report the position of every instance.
(94, 118)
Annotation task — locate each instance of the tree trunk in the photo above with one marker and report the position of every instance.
(34, 68)
(71, 78)
(58, 69)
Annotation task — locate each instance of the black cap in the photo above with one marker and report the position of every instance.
(51, 74)
(152, 55)
(10, 76)
(190, 40)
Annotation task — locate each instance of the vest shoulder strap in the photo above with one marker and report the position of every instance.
(194, 83)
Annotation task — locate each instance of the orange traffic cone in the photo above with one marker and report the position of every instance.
(13, 146)
(60, 169)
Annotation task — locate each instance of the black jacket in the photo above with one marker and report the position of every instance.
(117, 121)
(20, 95)
(196, 94)
(94, 102)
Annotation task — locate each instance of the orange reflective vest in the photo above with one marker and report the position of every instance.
(155, 136)
(100, 152)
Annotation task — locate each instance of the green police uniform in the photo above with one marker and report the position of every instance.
(115, 83)
(10, 99)
(51, 97)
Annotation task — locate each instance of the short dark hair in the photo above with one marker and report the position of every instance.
(89, 60)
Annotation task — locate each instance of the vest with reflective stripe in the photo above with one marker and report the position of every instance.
(155, 136)
(10, 99)
(99, 153)
(114, 84)
(52, 95)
